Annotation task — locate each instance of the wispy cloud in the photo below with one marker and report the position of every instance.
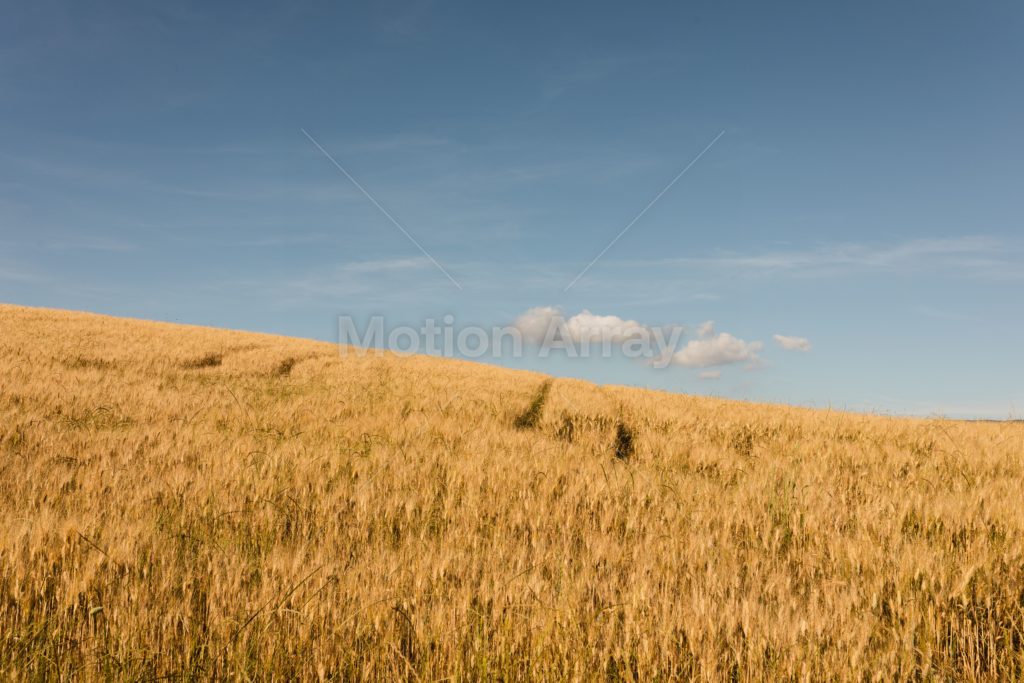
(387, 265)
(380, 208)
(401, 142)
(286, 239)
(792, 343)
(972, 254)
(17, 274)
(374, 278)
(587, 70)
(91, 243)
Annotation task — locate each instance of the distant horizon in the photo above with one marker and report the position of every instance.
(505, 366)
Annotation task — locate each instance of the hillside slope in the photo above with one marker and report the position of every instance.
(187, 502)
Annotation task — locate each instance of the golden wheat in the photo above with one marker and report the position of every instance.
(181, 502)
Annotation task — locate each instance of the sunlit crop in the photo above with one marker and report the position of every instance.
(180, 502)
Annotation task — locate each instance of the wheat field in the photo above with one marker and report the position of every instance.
(186, 503)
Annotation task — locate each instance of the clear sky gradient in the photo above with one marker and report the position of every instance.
(866, 194)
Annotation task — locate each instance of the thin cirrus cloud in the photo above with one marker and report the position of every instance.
(354, 278)
(17, 274)
(966, 255)
(792, 343)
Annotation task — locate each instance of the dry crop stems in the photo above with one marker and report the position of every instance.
(382, 518)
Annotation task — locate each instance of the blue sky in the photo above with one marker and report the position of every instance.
(866, 193)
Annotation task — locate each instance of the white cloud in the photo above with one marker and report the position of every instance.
(535, 323)
(548, 328)
(587, 327)
(584, 327)
(720, 349)
(706, 329)
(792, 343)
